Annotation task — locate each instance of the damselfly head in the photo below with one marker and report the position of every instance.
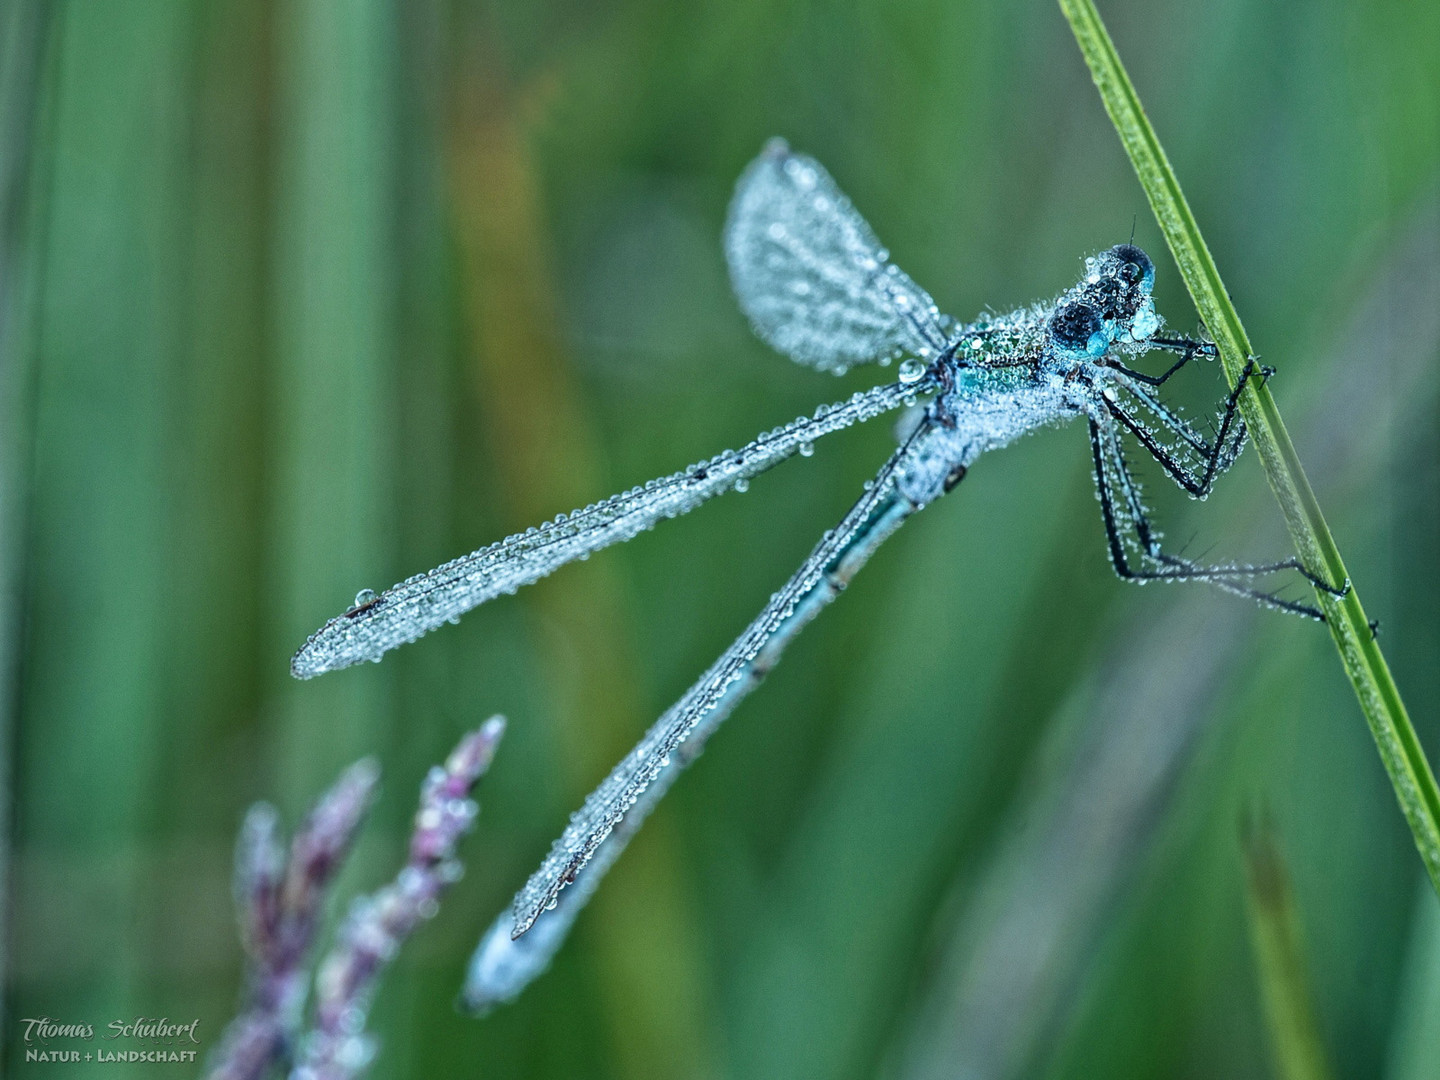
(1132, 265)
(1111, 305)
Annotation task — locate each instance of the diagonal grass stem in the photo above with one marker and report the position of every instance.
(1360, 655)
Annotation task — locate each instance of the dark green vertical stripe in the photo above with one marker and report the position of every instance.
(110, 320)
(23, 69)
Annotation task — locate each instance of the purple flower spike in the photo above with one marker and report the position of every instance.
(279, 901)
(324, 837)
(338, 1047)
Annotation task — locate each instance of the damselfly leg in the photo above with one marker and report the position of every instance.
(1186, 347)
(1133, 541)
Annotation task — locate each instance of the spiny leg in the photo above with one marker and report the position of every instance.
(1214, 458)
(1187, 349)
(1122, 509)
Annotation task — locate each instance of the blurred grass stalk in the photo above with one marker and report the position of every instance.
(1280, 960)
(1020, 955)
(545, 450)
(1400, 749)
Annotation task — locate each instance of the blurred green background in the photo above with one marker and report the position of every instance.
(302, 298)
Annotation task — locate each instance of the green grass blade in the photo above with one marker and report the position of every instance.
(1360, 654)
(1295, 1039)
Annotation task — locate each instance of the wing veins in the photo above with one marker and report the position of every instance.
(823, 573)
(419, 604)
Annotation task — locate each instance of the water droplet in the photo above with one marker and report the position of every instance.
(364, 596)
(807, 449)
(742, 485)
(911, 371)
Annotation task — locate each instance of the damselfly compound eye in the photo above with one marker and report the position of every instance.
(1073, 325)
(1134, 265)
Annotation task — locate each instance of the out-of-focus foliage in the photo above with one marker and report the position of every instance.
(303, 298)
(1276, 937)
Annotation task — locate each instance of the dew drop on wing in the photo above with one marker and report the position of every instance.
(807, 449)
(912, 371)
(363, 597)
(742, 485)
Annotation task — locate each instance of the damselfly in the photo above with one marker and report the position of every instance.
(817, 285)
